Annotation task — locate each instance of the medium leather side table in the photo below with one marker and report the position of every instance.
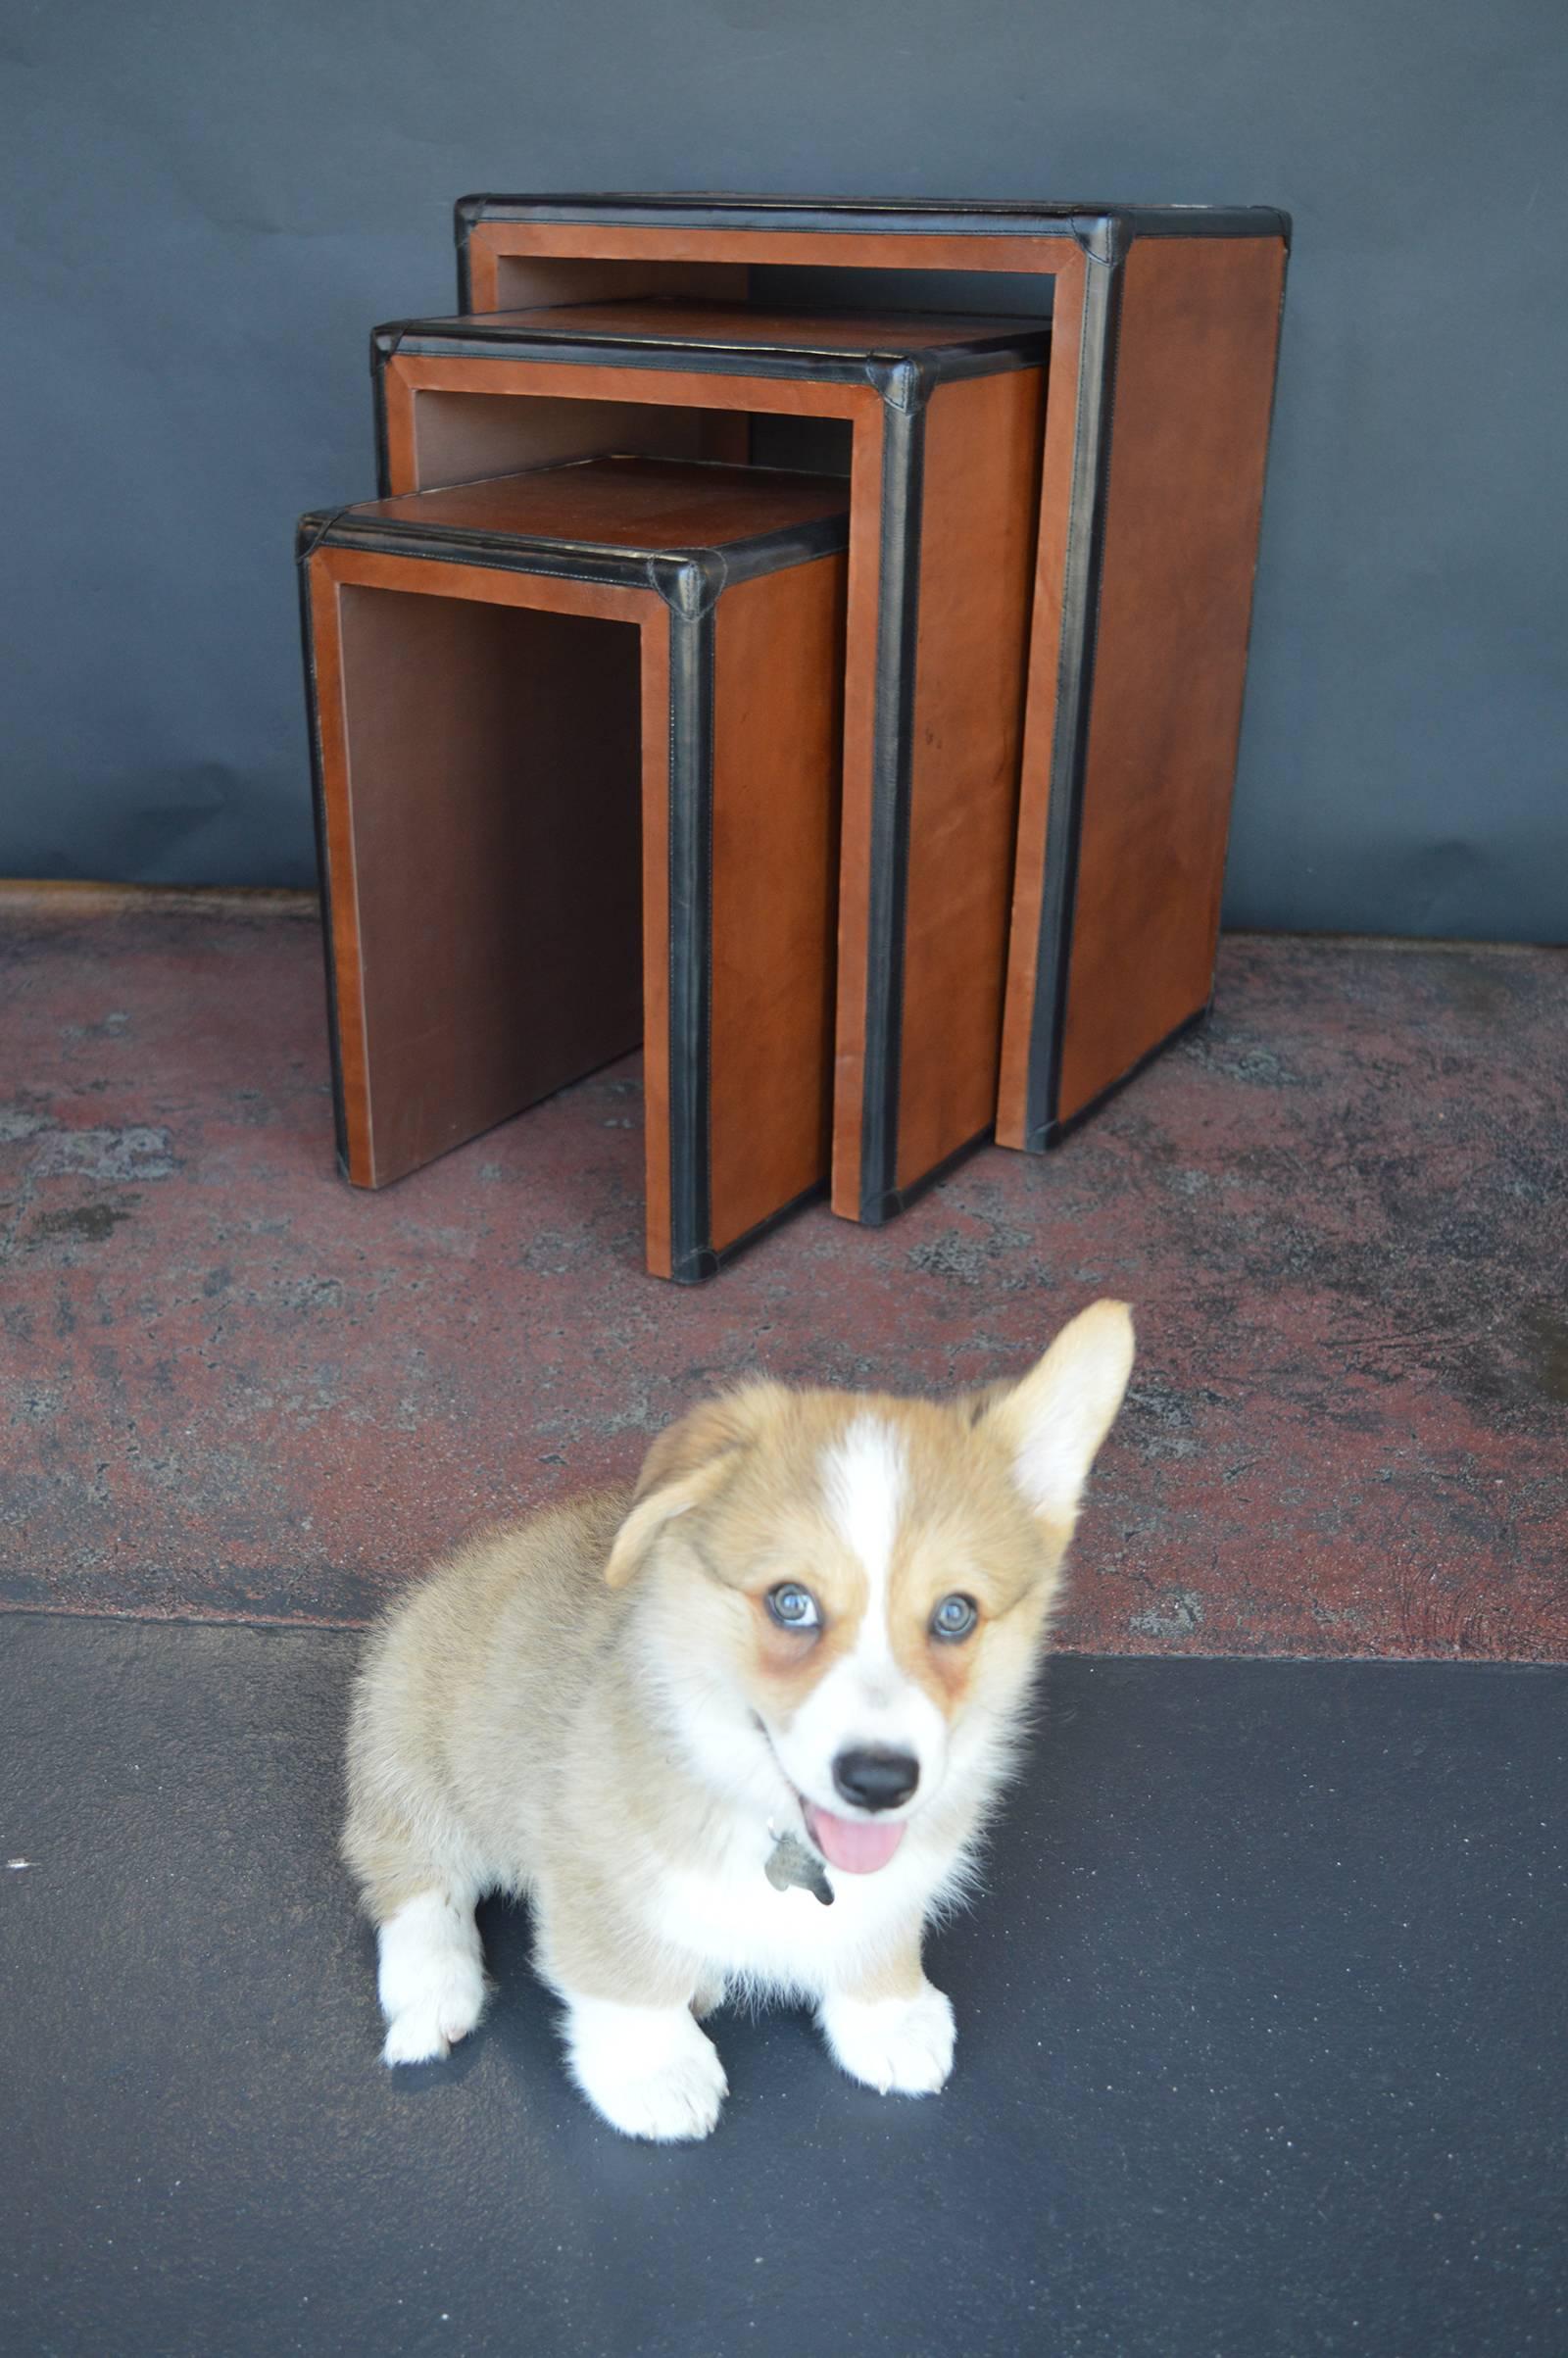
(945, 416)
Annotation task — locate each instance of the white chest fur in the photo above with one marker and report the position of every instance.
(729, 1916)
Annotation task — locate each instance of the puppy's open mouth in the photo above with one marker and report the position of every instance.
(854, 1846)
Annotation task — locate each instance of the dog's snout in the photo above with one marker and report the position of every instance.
(875, 1779)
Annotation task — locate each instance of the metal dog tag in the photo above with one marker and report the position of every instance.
(791, 1864)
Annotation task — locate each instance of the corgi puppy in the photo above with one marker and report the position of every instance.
(733, 1734)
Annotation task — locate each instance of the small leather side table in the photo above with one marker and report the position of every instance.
(576, 742)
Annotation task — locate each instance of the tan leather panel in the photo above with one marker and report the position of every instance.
(777, 733)
(981, 477)
(410, 381)
(631, 503)
(1040, 711)
(1195, 377)
(681, 388)
(512, 281)
(848, 250)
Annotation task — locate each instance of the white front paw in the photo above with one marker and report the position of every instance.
(425, 2031)
(647, 2068)
(899, 2046)
(431, 1979)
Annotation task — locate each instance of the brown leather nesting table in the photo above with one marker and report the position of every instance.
(576, 742)
(944, 416)
(1164, 332)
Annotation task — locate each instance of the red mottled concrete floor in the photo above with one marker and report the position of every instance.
(232, 1388)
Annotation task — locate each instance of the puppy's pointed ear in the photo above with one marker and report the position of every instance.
(685, 1466)
(1052, 1424)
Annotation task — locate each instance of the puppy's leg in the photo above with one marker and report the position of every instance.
(648, 2070)
(431, 1975)
(419, 1877)
(708, 1995)
(631, 2036)
(890, 2029)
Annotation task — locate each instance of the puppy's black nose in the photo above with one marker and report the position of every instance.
(874, 1780)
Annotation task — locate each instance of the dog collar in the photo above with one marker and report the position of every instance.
(791, 1865)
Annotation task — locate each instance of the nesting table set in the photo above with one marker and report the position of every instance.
(808, 639)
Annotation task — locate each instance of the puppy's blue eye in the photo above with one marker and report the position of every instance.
(793, 1607)
(954, 1617)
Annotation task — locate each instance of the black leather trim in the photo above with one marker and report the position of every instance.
(913, 376)
(1054, 1132)
(1104, 237)
(875, 1214)
(898, 622)
(846, 216)
(483, 336)
(669, 571)
(465, 214)
(312, 529)
(380, 354)
(1201, 221)
(323, 864)
(707, 1264)
(1075, 665)
(691, 932)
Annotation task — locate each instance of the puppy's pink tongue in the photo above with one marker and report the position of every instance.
(859, 1846)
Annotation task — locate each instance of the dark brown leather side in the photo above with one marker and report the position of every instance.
(497, 923)
(1040, 711)
(1195, 376)
(981, 477)
(777, 733)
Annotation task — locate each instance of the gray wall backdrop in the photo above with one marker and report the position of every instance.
(211, 202)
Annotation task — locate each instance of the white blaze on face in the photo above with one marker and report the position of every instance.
(863, 1479)
(865, 1701)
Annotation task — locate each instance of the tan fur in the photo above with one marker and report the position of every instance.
(588, 1709)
